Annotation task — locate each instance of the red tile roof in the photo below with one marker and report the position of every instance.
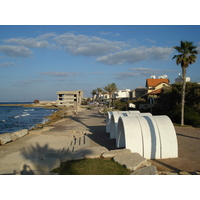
(155, 82)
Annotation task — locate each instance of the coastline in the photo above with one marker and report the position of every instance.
(57, 116)
(45, 149)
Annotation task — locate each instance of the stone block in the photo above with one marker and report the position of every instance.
(150, 170)
(112, 153)
(93, 152)
(184, 173)
(167, 173)
(5, 138)
(197, 173)
(18, 134)
(132, 161)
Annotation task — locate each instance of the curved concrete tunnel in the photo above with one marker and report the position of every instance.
(153, 137)
(110, 113)
(115, 118)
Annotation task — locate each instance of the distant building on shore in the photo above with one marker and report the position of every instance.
(119, 94)
(69, 98)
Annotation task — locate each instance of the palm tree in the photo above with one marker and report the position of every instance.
(93, 93)
(187, 56)
(110, 89)
(99, 91)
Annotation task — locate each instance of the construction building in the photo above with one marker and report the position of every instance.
(69, 98)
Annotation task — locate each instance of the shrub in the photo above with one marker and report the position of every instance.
(36, 101)
(191, 117)
(121, 105)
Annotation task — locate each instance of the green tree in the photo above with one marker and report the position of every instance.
(99, 92)
(170, 103)
(187, 56)
(110, 89)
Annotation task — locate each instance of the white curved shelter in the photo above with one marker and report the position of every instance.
(115, 118)
(168, 138)
(109, 115)
(153, 137)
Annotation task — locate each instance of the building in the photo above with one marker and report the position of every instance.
(179, 79)
(122, 94)
(154, 89)
(138, 92)
(69, 98)
(153, 84)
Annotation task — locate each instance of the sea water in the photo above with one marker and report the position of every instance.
(15, 118)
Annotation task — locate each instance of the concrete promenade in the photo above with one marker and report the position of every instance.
(68, 135)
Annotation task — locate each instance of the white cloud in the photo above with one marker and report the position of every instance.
(8, 64)
(148, 40)
(159, 53)
(125, 75)
(149, 72)
(116, 34)
(131, 56)
(88, 45)
(46, 36)
(97, 73)
(29, 42)
(105, 33)
(136, 55)
(146, 71)
(15, 51)
(61, 74)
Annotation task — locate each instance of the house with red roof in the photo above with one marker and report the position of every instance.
(154, 85)
(154, 88)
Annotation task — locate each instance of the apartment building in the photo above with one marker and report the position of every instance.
(69, 98)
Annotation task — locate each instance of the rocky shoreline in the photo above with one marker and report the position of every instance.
(62, 112)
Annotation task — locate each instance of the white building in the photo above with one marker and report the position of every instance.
(179, 79)
(122, 94)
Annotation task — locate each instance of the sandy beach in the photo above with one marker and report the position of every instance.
(85, 129)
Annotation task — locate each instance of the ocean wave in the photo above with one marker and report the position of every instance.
(16, 118)
(24, 114)
(44, 121)
(29, 110)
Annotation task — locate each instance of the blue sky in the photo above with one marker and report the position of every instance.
(38, 61)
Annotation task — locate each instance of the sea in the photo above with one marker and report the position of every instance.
(15, 118)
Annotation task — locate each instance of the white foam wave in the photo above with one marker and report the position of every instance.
(44, 121)
(16, 116)
(29, 110)
(25, 114)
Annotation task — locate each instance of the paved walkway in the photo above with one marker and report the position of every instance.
(188, 152)
(65, 135)
(68, 135)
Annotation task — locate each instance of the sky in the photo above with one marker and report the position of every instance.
(36, 61)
